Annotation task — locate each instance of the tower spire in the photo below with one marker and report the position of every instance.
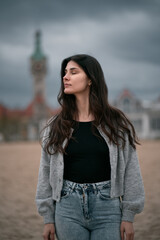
(38, 70)
(38, 54)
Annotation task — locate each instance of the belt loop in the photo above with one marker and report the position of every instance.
(120, 197)
(73, 186)
(95, 188)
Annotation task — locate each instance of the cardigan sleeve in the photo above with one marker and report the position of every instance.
(45, 203)
(133, 198)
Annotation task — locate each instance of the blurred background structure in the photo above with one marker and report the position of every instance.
(123, 36)
(146, 119)
(26, 124)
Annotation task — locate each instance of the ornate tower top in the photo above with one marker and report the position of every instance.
(38, 54)
(39, 70)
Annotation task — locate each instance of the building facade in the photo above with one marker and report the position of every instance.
(146, 119)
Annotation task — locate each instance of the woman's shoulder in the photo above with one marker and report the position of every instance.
(51, 119)
(48, 124)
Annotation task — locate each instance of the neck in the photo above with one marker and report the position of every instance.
(83, 108)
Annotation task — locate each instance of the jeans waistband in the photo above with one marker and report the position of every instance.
(97, 185)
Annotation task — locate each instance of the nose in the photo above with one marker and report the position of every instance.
(65, 77)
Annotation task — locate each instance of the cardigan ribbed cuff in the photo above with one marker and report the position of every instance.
(49, 218)
(128, 216)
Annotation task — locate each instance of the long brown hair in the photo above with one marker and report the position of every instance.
(104, 114)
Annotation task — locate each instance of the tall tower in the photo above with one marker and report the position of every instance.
(39, 70)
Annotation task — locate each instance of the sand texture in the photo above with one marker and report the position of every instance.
(19, 164)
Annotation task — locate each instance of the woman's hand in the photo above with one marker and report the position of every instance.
(49, 231)
(127, 231)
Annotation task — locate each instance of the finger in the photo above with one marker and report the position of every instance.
(52, 236)
(129, 236)
(132, 237)
(122, 234)
(45, 236)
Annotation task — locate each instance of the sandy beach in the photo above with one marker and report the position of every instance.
(19, 164)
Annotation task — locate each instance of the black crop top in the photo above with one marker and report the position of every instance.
(87, 159)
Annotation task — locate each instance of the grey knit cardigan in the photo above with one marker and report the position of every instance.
(126, 179)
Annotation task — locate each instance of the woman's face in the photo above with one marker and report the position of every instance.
(75, 79)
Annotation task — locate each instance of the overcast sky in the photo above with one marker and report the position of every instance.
(123, 35)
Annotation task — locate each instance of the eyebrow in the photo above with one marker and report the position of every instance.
(71, 68)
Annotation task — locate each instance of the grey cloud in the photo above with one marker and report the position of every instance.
(37, 11)
(123, 36)
(139, 45)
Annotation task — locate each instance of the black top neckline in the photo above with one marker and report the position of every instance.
(83, 122)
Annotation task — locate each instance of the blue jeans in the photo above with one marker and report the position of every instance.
(86, 212)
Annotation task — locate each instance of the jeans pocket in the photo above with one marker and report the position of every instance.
(64, 193)
(104, 193)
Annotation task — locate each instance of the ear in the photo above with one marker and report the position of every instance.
(89, 82)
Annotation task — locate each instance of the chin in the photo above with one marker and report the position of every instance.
(66, 91)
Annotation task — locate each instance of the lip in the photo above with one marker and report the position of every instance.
(67, 85)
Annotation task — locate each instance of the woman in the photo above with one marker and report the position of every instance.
(90, 184)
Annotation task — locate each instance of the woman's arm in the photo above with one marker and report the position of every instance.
(44, 201)
(133, 198)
